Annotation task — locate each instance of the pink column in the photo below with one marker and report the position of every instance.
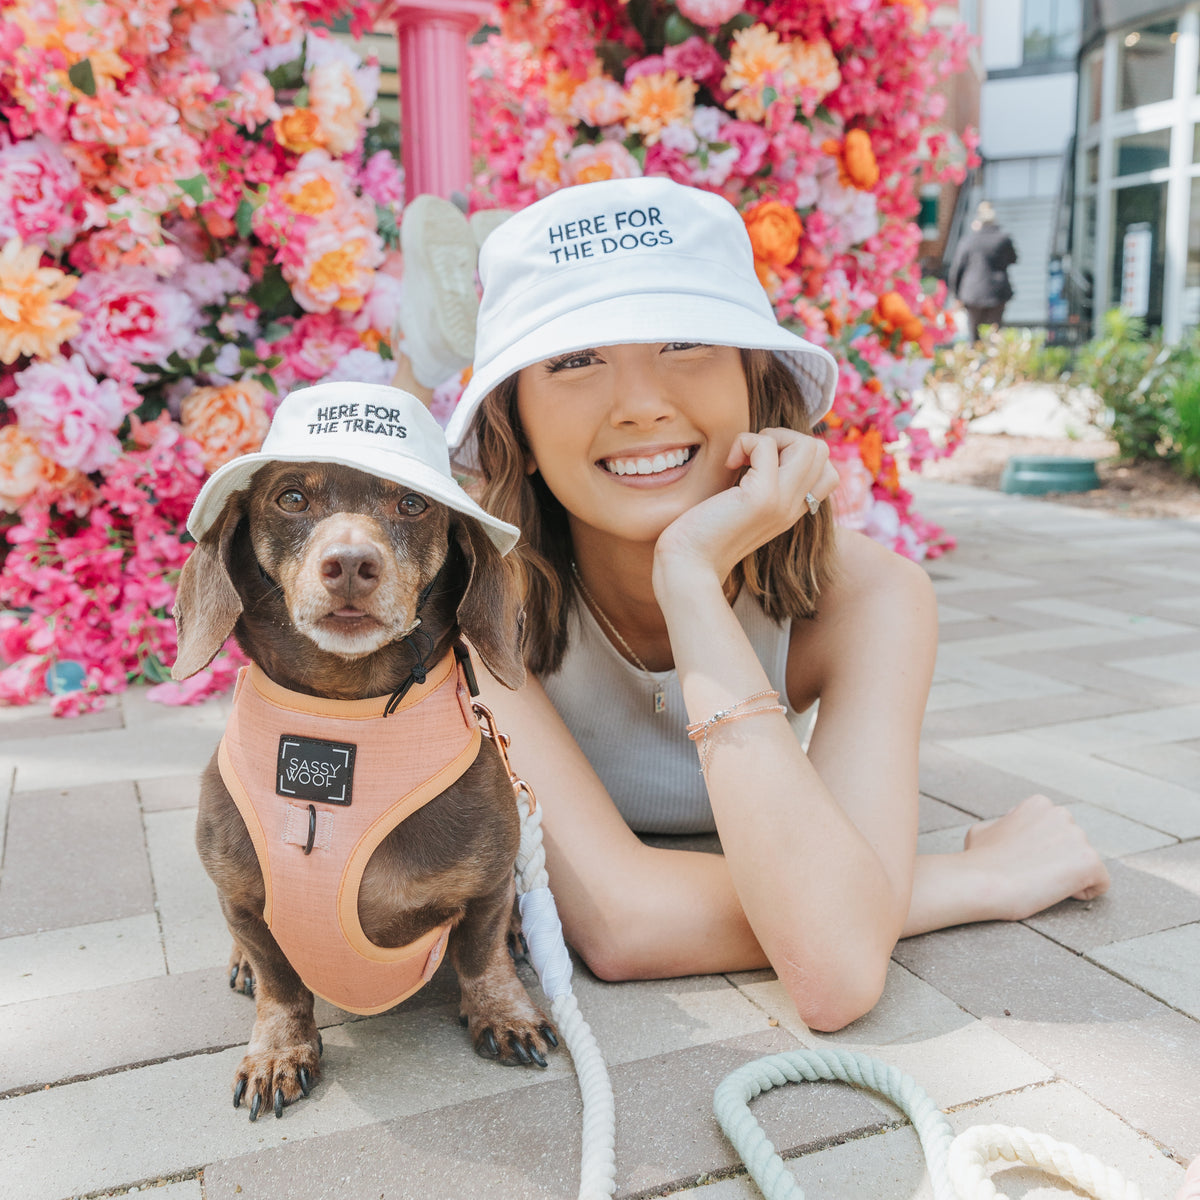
(434, 109)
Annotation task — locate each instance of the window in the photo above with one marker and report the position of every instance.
(1050, 29)
(1143, 152)
(1146, 64)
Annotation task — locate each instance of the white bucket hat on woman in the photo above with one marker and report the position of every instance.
(624, 260)
(368, 426)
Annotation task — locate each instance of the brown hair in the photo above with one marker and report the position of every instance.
(785, 575)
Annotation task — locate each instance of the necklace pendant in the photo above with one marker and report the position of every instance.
(660, 700)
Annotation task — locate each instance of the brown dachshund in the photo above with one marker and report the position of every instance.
(322, 572)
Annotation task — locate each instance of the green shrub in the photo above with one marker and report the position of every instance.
(1136, 377)
(1186, 403)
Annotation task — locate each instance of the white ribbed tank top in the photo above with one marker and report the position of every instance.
(644, 759)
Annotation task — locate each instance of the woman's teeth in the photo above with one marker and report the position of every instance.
(647, 466)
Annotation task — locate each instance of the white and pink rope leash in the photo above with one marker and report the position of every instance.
(957, 1165)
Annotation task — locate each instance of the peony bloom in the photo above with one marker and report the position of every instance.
(382, 178)
(695, 59)
(32, 321)
(41, 197)
(656, 101)
(816, 69)
(226, 421)
(605, 160)
(25, 470)
(711, 13)
(72, 415)
(131, 317)
(758, 60)
(338, 104)
(252, 102)
(774, 230)
(853, 498)
(597, 102)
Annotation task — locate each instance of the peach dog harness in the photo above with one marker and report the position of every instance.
(320, 783)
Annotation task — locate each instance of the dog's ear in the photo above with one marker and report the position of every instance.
(207, 605)
(490, 611)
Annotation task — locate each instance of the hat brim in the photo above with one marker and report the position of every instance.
(237, 475)
(650, 317)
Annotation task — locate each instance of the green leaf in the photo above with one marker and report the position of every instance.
(83, 77)
(268, 383)
(154, 670)
(769, 96)
(273, 331)
(273, 295)
(242, 217)
(678, 29)
(196, 187)
(287, 75)
(247, 357)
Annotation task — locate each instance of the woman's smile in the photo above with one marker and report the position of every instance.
(649, 465)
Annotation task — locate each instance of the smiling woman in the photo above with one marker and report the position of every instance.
(639, 413)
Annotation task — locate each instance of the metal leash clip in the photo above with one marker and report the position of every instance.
(501, 741)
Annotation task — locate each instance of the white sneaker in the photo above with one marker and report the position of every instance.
(440, 303)
(485, 220)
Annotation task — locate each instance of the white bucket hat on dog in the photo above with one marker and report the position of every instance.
(368, 426)
(620, 261)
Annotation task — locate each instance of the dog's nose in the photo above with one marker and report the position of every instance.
(350, 571)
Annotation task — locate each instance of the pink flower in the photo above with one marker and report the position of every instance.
(70, 413)
(383, 180)
(605, 160)
(653, 64)
(597, 102)
(712, 13)
(41, 198)
(131, 317)
(752, 142)
(696, 59)
(853, 497)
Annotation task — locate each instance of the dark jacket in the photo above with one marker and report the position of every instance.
(979, 273)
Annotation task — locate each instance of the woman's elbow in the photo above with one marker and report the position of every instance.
(830, 1000)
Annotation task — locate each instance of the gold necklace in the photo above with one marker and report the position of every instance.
(660, 695)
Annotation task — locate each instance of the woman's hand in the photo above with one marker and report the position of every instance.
(781, 468)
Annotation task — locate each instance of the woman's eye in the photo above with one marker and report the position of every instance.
(412, 505)
(292, 500)
(568, 362)
(683, 345)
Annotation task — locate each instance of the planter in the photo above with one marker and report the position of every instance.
(1035, 474)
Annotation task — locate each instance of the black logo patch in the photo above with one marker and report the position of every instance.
(308, 769)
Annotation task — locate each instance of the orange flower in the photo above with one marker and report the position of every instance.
(815, 66)
(857, 167)
(226, 421)
(298, 130)
(340, 270)
(313, 197)
(560, 90)
(893, 313)
(774, 230)
(25, 470)
(31, 319)
(870, 449)
(544, 165)
(656, 101)
(917, 8)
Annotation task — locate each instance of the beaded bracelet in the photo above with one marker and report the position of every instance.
(699, 730)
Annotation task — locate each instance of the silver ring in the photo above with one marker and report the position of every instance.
(813, 504)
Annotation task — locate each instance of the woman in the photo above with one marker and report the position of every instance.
(637, 411)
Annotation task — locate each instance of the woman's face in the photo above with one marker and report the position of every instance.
(629, 437)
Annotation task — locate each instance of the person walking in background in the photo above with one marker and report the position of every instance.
(979, 272)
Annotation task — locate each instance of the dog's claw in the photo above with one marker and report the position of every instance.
(490, 1044)
(303, 1080)
(238, 1093)
(255, 1106)
(320, 1046)
(536, 1055)
(233, 977)
(248, 986)
(278, 1103)
(519, 1052)
(463, 1020)
(524, 945)
(549, 1035)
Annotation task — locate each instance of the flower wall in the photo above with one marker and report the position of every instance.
(193, 220)
(195, 217)
(819, 119)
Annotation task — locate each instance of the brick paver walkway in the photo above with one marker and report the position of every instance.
(1069, 664)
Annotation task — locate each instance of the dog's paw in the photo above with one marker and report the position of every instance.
(241, 974)
(514, 1041)
(273, 1079)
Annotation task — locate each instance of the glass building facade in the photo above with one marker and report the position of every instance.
(1135, 232)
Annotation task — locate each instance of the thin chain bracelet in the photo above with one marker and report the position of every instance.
(699, 730)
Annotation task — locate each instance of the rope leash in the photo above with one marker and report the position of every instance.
(548, 954)
(957, 1165)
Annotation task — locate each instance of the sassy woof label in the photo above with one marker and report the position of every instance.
(357, 418)
(607, 233)
(309, 769)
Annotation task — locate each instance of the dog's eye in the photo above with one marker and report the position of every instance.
(412, 505)
(292, 501)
